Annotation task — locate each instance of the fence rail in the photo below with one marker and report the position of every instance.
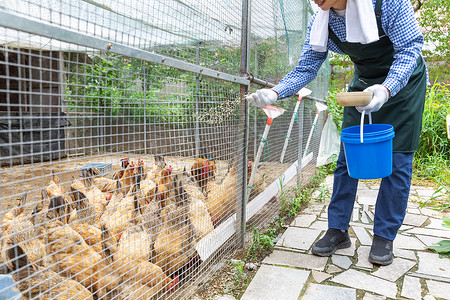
(127, 146)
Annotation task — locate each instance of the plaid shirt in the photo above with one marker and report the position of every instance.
(399, 24)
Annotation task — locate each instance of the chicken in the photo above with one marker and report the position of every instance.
(133, 261)
(23, 232)
(203, 171)
(162, 176)
(198, 212)
(120, 214)
(84, 209)
(35, 282)
(56, 207)
(55, 189)
(104, 184)
(127, 181)
(124, 164)
(15, 213)
(175, 243)
(147, 186)
(76, 259)
(221, 198)
(92, 193)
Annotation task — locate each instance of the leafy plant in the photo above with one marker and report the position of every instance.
(239, 277)
(261, 241)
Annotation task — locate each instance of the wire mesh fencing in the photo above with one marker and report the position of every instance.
(127, 146)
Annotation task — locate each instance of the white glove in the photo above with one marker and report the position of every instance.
(380, 96)
(263, 97)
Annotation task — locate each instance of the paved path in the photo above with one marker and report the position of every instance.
(292, 272)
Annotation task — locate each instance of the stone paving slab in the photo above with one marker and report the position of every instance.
(368, 296)
(341, 261)
(304, 220)
(362, 281)
(394, 271)
(298, 238)
(437, 224)
(429, 212)
(321, 291)
(319, 276)
(362, 235)
(367, 193)
(408, 242)
(367, 200)
(431, 264)
(313, 209)
(439, 289)
(364, 217)
(299, 260)
(355, 214)
(271, 282)
(428, 240)
(363, 257)
(433, 232)
(414, 220)
(404, 253)
(413, 210)
(320, 225)
(411, 288)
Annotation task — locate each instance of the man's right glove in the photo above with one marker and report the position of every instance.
(263, 97)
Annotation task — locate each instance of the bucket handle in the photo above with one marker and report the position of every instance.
(361, 126)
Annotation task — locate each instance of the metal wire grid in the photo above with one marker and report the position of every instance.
(105, 108)
(136, 126)
(150, 25)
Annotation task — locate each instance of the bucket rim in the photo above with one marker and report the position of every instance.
(354, 131)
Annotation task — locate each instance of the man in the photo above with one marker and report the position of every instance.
(383, 40)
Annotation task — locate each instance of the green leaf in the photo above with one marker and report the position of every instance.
(446, 221)
(442, 247)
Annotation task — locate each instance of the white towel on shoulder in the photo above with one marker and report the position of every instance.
(360, 23)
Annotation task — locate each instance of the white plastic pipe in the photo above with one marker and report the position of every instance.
(302, 93)
(260, 150)
(320, 107)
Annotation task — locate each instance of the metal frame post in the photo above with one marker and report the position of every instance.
(300, 143)
(197, 104)
(243, 124)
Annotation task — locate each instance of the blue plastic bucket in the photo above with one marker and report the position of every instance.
(371, 159)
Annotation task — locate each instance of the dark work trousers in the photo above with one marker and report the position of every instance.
(391, 202)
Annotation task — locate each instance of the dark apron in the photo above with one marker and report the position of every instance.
(404, 110)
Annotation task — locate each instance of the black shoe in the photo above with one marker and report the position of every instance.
(381, 251)
(333, 240)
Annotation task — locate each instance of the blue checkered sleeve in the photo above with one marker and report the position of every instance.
(399, 24)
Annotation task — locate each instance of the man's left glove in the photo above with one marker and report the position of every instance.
(380, 96)
(263, 97)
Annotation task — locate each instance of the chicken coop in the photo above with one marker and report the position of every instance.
(131, 163)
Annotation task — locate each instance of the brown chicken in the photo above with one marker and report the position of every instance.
(23, 232)
(15, 213)
(221, 198)
(175, 244)
(35, 282)
(92, 193)
(203, 171)
(55, 189)
(56, 208)
(128, 179)
(198, 212)
(76, 259)
(162, 176)
(133, 261)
